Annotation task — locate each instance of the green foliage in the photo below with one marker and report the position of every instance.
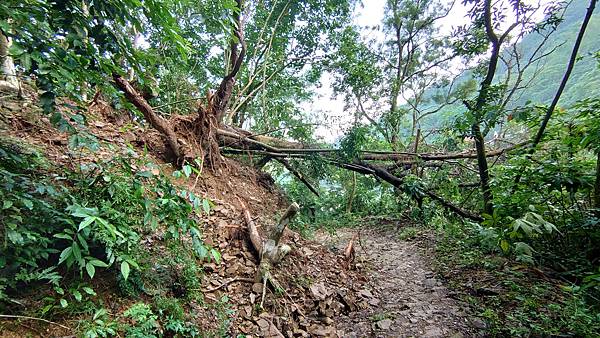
(99, 326)
(353, 142)
(70, 43)
(224, 316)
(76, 298)
(525, 305)
(144, 322)
(86, 220)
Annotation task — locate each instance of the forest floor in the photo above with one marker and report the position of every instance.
(405, 281)
(406, 297)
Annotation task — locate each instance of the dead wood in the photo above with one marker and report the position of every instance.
(349, 252)
(156, 121)
(459, 211)
(269, 251)
(298, 175)
(271, 248)
(255, 238)
(231, 139)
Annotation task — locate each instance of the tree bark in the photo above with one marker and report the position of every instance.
(270, 252)
(482, 166)
(223, 94)
(156, 121)
(482, 98)
(298, 175)
(597, 187)
(8, 74)
(352, 194)
(229, 139)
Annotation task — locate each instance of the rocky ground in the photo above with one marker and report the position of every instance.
(405, 297)
(389, 290)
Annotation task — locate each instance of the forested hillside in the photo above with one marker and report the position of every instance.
(544, 75)
(160, 177)
(585, 77)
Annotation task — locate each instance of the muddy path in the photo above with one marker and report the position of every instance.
(405, 297)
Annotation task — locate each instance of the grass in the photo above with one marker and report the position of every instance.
(513, 299)
(380, 316)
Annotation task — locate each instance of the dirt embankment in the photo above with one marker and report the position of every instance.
(316, 288)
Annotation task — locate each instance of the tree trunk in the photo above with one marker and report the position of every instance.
(597, 187)
(484, 174)
(8, 74)
(482, 98)
(155, 121)
(221, 99)
(352, 194)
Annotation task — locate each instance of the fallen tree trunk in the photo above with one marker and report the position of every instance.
(155, 121)
(401, 158)
(397, 182)
(230, 138)
(454, 208)
(298, 175)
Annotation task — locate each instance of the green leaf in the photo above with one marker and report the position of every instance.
(206, 206)
(504, 245)
(63, 236)
(83, 242)
(187, 170)
(65, 254)
(15, 50)
(91, 270)
(28, 204)
(15, 237)
(89, 290)
(216, 255)
(201, 251)
(63, 303)
(79, 211)
(86, 221)
(125, 270)
(7, 204)
(98, 263)
(77, 295)
(76, 251)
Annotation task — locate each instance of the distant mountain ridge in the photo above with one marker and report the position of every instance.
(585, 78)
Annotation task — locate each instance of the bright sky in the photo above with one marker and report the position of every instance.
(336, 119)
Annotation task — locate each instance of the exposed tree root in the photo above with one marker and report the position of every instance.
(269, 251)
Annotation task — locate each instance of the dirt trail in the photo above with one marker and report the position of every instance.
(404, 296)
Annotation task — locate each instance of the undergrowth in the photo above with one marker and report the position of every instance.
(514, 298)
(67, 231)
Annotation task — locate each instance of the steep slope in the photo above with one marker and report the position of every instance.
(544, 76)
(212, 297)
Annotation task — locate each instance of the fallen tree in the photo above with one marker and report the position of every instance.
(206, 136)
(241, 142)
(269, 251)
